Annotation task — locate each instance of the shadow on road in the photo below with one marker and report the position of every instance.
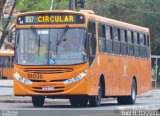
(70, 106)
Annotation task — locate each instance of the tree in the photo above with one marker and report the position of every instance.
(40, 5)
(4, 22)
(25, 6)
(139, 12)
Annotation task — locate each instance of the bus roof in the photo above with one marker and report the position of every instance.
(113, 22)
(6, 53)
(91, 15)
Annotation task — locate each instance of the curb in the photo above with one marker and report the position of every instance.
(29, 100)
(6, 83)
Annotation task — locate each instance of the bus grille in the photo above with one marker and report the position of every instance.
(48, 70)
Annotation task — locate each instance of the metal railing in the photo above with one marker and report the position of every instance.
(156, 57)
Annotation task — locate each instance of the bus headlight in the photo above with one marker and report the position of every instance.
(75, 79)
(22, 80)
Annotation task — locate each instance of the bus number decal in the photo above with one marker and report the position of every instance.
(34, 76)
(29, 19)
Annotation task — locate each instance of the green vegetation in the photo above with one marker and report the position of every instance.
(5, 22)
(139, 12)
(39, 5)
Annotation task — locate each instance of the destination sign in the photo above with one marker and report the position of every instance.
(50, 19)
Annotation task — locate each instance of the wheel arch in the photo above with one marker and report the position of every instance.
(134, 78)
(102, 81)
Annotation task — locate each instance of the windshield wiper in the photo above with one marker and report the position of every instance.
(37, 37)
(61, 38)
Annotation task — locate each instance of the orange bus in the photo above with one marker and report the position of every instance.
(80, 56)
(6, 64)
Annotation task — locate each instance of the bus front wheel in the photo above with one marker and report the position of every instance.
(38, 101)
(95, 101)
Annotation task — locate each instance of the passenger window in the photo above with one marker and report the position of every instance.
(142, 47)
(92, 41)
(148, 49)
(109, 40)
(145, 42)
(102, 38)
(129, 37)
(124, 42)
(132, 37)
(130, 43)
(116, 34)
(108, 33)
(148, 40)
(138, 39)
(116, 42)
(125, 35)
(141, 39)
(136, 44)
(145, 46)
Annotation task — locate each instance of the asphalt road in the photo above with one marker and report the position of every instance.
(59, 104)
(63, 108)
(22, 106)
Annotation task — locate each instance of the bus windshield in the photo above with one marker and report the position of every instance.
(50, 46)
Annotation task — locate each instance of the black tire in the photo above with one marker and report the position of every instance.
(129, 99)
(38, 101)
(79, 101)
(73, 102)
(95, 101)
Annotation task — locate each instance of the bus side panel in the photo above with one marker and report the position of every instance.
(8, 72)
(120, 72)
(113, 84)
(103, 70)
(145, 76)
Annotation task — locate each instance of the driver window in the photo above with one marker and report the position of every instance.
(92, 41)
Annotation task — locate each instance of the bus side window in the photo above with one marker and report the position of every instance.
(148, 48)
(136, 44)
(109, 41)
(92, 41)
(132, 40)
(124, 42)
(130, 43)
(116, 41)
(102, 38)
(145, 46)
(142, 45)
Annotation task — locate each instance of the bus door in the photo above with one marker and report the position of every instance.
(93, 71)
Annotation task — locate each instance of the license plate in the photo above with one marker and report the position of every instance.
(48, 88)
